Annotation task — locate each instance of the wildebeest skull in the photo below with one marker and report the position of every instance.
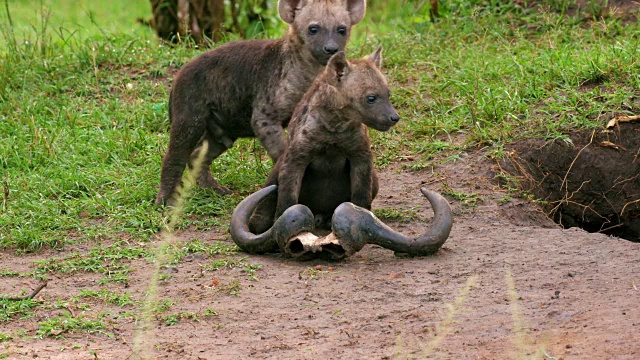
(352, 228)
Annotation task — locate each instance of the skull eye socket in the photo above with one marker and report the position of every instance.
(371, 99)
(313, 29)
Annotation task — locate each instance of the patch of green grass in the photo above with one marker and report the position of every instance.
(5, 337)
(224, 263)
(251, 270)
(163, 305)
(108, 297)
(399, 215)
(231, 263)
(231, 288)
(182, 249)
(505, 199)
(109, 260)
(64, 23)
(210, 312)
(312, 273)
(60, 325)
(467, 199)
(10, 309)
(9, 273)
(173, 319)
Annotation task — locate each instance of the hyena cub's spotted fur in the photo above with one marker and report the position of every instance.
(250, 88)
(328, 159)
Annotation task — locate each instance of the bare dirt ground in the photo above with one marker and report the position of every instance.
(508, 283)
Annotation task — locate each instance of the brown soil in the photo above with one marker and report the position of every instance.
(509, 283)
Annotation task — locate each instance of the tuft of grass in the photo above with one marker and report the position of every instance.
(231, 288)
(173, 319)
(60, 325)
(182, 249)
(10, 309)
(9, 273)
(232, 263)
(108, 297)
(109, 260)
(399, 215)
(467, 199)
(143, 343)
(5, 337)
(311, 273)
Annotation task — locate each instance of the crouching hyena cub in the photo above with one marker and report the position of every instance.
(328, 159)
(250, 88)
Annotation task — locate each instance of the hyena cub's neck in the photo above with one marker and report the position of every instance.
(296, 57)
(328, 109)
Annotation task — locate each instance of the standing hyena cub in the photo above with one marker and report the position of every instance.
(250, 88)
(328, 159)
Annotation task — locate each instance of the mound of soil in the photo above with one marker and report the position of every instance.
(592, 182)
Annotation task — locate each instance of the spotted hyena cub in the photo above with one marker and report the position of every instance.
(250, 88)
(328, 159)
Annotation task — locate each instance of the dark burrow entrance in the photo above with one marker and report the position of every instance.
(592, 182)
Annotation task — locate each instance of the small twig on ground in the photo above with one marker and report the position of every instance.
(25, 297)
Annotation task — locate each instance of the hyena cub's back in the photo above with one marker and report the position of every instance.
(250, 88)
(328, 158)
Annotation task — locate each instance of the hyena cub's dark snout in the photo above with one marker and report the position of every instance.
(394, 117)
(385, 116)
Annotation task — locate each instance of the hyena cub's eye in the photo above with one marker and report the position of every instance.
(371, 99)
(313, 29)
(342, 30)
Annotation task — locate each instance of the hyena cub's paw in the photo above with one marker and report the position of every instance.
(206, 180)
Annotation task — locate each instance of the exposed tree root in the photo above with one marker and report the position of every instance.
(25, 297)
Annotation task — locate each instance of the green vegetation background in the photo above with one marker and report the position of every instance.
(84, 89)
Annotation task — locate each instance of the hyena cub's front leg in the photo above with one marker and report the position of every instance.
(362, 179)
(290, 181)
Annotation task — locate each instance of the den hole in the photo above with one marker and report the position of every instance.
(590, 179)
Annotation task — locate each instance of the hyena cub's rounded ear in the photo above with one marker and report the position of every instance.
(338, 65)
(376, 58)
(287, 9)
(357, 9)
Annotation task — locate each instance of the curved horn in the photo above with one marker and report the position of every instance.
(355, 227)
(293, 221)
